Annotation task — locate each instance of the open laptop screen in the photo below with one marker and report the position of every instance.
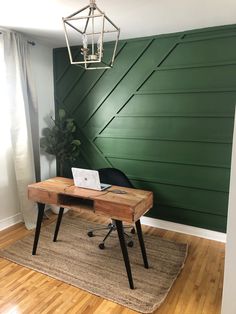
(88, 179)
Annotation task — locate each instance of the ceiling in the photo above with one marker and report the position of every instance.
(41, 20)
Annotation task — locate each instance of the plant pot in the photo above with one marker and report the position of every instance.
(55, 209)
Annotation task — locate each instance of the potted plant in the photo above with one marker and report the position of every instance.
(61, 141)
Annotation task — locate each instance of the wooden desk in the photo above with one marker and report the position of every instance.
(128, 207)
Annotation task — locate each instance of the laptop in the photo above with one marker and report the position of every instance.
(88, 179)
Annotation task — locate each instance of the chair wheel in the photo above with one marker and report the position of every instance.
(132, 230)
(130, 244)
(101, 246)
(90, 234)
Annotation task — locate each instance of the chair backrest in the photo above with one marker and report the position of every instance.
(114, 177)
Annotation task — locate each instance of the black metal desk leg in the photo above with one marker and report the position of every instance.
(38, 226)
(120, 231)
(59, 218)
(141, 242)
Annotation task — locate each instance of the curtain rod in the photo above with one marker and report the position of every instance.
(28, 41)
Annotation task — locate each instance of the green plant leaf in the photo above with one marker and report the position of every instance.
(76, 142)
(61, 114)
(61, 139)
(46, 131)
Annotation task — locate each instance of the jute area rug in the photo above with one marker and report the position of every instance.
(77, 260)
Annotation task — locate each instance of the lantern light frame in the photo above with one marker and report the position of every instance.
(93, 53)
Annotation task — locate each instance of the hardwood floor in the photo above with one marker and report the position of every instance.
(197, 290)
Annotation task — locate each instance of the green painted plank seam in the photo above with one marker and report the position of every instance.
(83, 153)
(73, 109)
(81, 131)
(176, 43)
(92, 149)
(114, 87)
(118, 116)
(169, 183)
(94, 83)
(186, 91)
(65, 70)
(103, 128)
(158, 139)
(209, 37)
(126, 157)
(131, 94)
(73, 86)
(161, 115)
(187, 209)
(96, 148)
(195, 65)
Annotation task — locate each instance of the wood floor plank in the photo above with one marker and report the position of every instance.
(197, 290)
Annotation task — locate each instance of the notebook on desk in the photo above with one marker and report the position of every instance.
(88, 179)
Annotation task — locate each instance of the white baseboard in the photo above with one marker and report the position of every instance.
(153, 222)
(10, 221)
(172, 226)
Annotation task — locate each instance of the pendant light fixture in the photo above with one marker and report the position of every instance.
(90, 27)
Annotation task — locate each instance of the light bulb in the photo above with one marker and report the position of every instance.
(99, 45)
(85, 41)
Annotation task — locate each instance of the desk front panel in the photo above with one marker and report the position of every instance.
(129, 206)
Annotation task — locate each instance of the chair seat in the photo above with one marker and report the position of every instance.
(114, 177)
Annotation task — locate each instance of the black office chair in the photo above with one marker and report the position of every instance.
(114, 177)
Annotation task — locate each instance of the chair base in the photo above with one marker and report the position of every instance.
(112, 227)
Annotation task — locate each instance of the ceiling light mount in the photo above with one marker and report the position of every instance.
(90, 27)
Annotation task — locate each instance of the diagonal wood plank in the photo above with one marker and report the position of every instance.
(154, 53)
(104, 87)
(127, 120)
(84, 84)
(92, 155)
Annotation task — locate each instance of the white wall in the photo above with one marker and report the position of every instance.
(42, 67)
(229, 298)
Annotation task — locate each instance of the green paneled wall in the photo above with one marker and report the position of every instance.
(164, 115)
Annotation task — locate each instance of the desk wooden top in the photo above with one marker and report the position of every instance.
(62, 192)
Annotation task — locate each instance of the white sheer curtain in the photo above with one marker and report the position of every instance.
(21, 103)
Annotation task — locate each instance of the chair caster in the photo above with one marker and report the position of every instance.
(101, 246)
(90, 234)
(132, 230)
(130, 244)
